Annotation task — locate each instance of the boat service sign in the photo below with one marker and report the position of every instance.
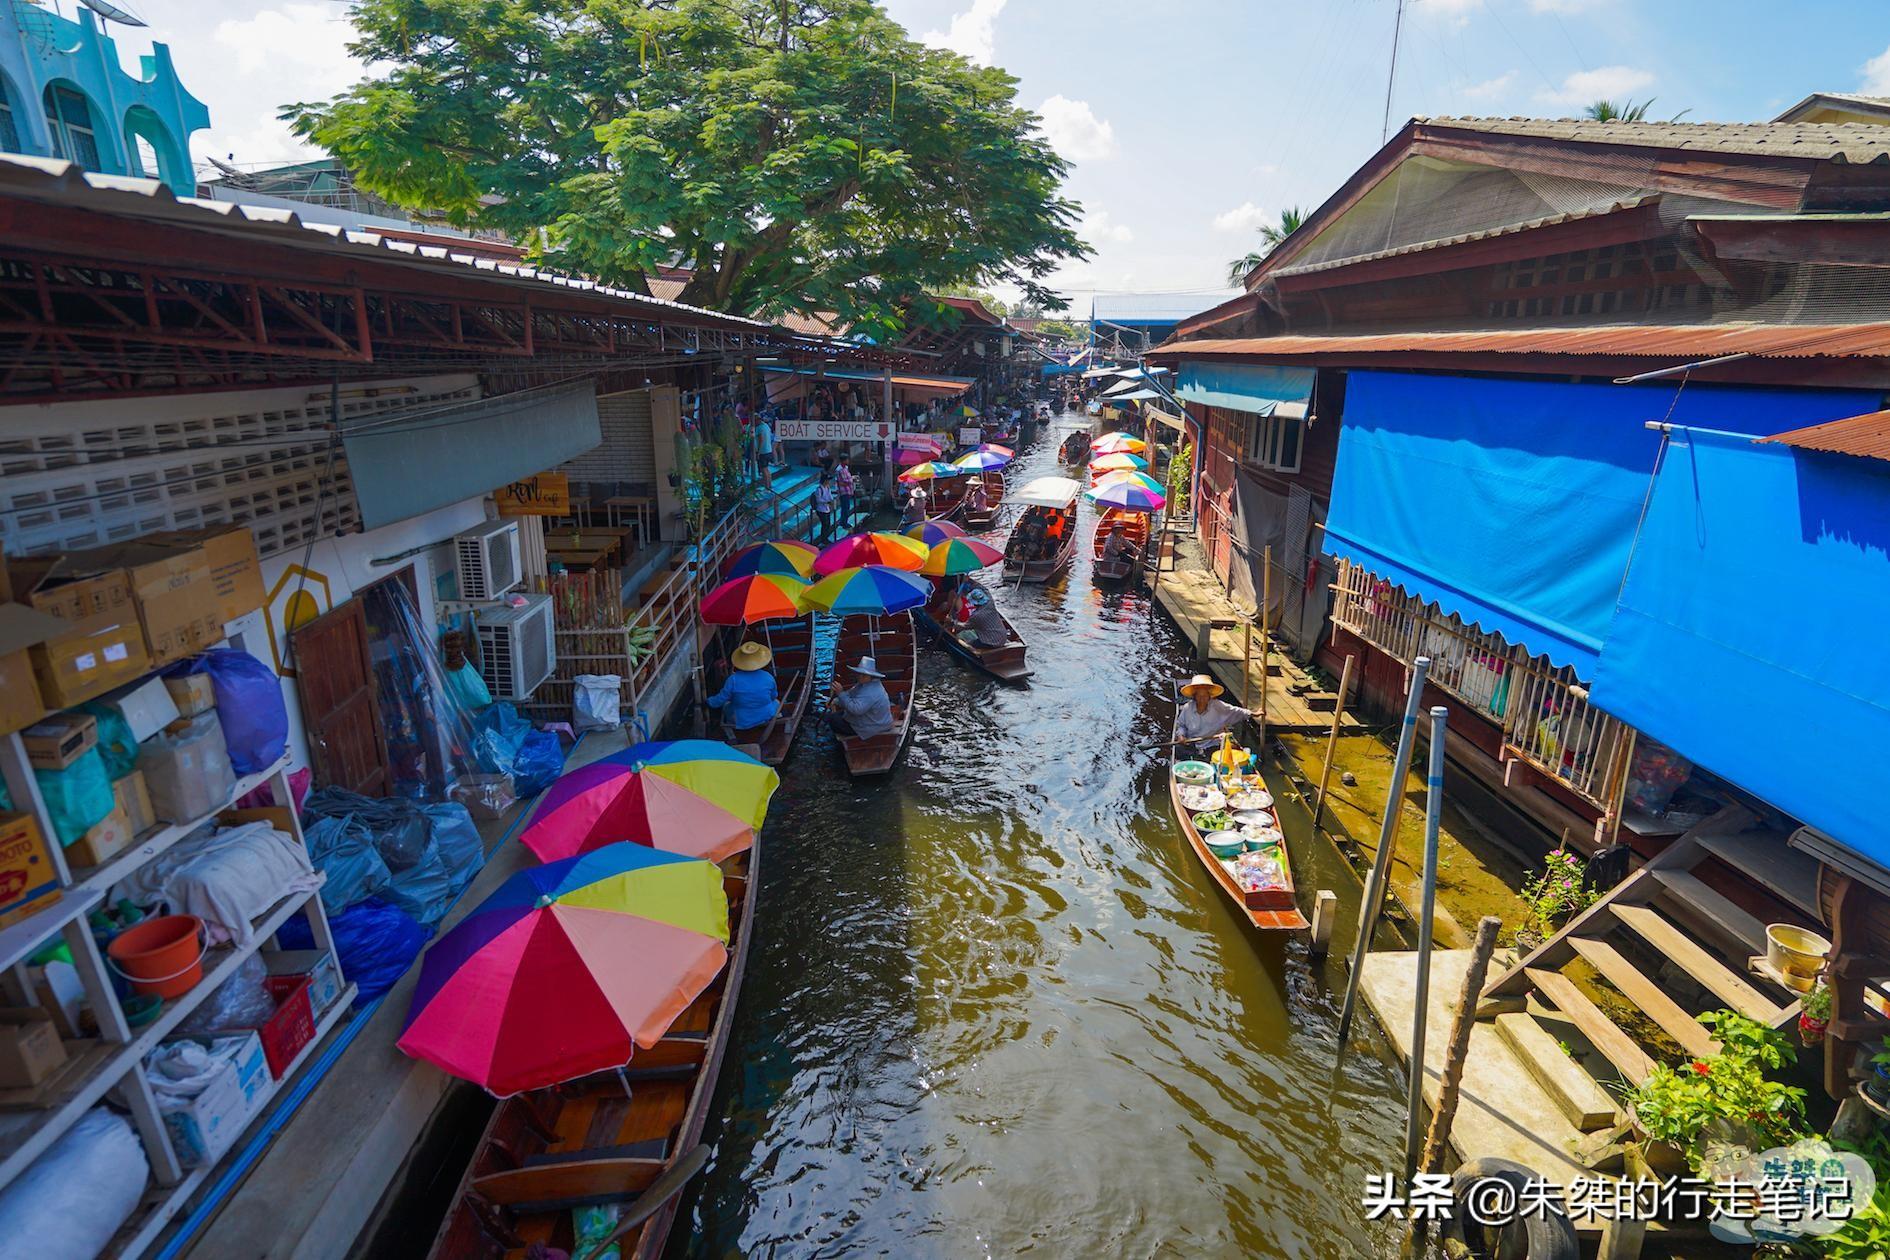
(833, 431)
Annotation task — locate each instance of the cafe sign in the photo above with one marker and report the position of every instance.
(542, 494)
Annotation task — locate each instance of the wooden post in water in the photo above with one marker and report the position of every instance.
(1375, 886)
(1266, 638)
(1246, 668)
(1421, 997)
(1325, 913)
(1332, 742)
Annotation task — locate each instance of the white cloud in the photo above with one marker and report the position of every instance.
(1098, 228)
(971, 33)
(1491, 87)
(1245, 217)
(1877, 75)
(1456, 12)
(1074, 130)
(1605, 83)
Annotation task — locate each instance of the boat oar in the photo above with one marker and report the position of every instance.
(661, 1191)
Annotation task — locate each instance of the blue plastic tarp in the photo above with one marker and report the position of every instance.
(1513, 503)
(1254, 387)
(1747, 633)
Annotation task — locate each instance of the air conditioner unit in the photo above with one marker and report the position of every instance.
(488, 560)
(516, 648)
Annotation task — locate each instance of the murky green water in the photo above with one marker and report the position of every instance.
(993, 1006)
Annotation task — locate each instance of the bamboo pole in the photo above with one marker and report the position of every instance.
(1450, 1086)
(1421, 998)
(1266, 638)
(1332, 741)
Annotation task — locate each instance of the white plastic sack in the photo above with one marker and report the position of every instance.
(188, 772)
(71, 1200)
(597, 703)
(227, 878)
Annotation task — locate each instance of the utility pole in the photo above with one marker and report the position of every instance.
(1397, 31)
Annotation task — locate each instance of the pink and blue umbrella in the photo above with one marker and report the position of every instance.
(873, 590)
(932, 533)
(1128, 495)
(980, 460)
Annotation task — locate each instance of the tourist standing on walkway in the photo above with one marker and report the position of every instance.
(764, 451)
(844, 485)
(823, 509)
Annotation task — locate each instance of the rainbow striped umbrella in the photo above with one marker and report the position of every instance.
(1118, 462)
(931, 533)
(980, 460)
(995, 449)
(1128, 496)
(786, 557)
(743, 601)
(872, 589)
(930, 470)
(894, 551)
(960, 555)
(696, 797)
(1115, 443)
(570, 968)
(1141, 479)
(968, 411)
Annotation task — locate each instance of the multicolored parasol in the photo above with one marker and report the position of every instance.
(966, 410)
(872, 589)
(1117, 462)
(931, 533)
(743, 601)
(696, 797)
(930, 470)
(980, 460)
(894, 551)
(1112, 443)
(996, 449)
(960, 555)
(570, 968)
(787, 557)
(1129, 496)
(1128, 477)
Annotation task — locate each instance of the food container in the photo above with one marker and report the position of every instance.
(1794, 951)
(1193, 772)
(1196, 798)
(1225, 844)
(1252, 798)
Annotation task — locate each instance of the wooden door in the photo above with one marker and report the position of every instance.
(334, 678)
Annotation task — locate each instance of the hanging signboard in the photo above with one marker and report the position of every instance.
(832, 431)
(542, 494)
(970, 436)
(920, 442)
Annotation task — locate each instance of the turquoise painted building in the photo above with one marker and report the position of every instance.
(65, 94)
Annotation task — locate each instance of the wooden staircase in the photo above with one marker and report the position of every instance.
(1656, 940)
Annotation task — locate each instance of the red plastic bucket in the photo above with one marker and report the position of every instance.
(162, 956)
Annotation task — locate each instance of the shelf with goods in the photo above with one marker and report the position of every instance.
(161, 1203)
(111, 1065)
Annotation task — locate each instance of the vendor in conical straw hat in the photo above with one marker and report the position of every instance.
(750, 699)
(1203, 715)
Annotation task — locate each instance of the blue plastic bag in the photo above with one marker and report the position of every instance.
(539, 762)
(501, 732)
(345, 852)
(457, 838)
(375, 943)
(249, 705)
(115, 742)
(468, 688)
(78, 797)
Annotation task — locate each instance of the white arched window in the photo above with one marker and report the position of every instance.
(70, 116)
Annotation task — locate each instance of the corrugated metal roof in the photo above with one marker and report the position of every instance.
(1681, 342)
(1867, 435)
(1464, 238)
(65, 183)
(1834, 142)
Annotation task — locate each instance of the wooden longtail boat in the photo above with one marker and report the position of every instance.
(978, 522)
(1057, 497)
(1134, 528)
(1075, 449)
(893, 643)
(630, 1138)
(792, 643)
(1006, 664)
(1269, 909)
(947, 500)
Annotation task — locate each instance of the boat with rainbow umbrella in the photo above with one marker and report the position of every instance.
(874, 604)
(764, 624)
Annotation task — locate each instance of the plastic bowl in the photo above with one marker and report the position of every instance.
(1795, 951)
(1225, 844)
(1193, 771)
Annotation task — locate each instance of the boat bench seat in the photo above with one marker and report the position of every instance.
(556, 1186)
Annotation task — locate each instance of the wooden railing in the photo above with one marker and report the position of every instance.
(1543, 710)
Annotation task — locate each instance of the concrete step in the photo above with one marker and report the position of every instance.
(1581, 1098)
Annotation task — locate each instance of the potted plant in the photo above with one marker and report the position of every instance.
(1814, 1015)
(1685, 1105)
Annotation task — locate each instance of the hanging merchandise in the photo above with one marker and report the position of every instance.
(375, 943)
(78, 797)
(596, 703)
(249, 702)
(187, 767)
(423, 706)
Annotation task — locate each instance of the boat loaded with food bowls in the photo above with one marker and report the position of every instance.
(1228, 817)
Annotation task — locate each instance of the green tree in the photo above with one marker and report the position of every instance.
(1625, 111)
(794, 154)
(1272, 234)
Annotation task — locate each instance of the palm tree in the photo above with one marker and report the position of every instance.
(1619, 111)
(1272, 233)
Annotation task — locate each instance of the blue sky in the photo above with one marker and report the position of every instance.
(1191, 120)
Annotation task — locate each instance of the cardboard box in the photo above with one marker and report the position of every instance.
(30, 1049)
(60, 740)
(147, 707)
(324, 978)
(177, 604)
(28, 881)
(133, 795)
(75, 589)
(235, 570)
(21, 630)
(204, 1127)
(192, 694)
(103, 840)
(103, 643)
(252, 1069)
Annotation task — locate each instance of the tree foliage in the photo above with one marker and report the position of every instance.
(1272, 233)
(794, 154)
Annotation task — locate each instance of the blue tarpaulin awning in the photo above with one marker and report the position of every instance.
(1749, 631)
(1513, 503)
(1256, 387)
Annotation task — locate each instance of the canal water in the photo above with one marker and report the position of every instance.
(994, 1007)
